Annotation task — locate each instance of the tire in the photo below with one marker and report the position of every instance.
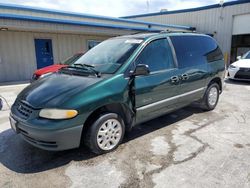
(211, 97)
(105, 134)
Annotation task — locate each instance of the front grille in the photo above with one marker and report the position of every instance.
(245, 69)
(24, 109)
(239, 76)
(243, 73)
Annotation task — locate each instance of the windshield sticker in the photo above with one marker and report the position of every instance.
(133, 41)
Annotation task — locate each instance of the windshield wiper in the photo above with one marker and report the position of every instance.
(89, 67)
(85, 67)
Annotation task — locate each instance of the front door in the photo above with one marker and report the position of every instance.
(154, 93)
(44, 53)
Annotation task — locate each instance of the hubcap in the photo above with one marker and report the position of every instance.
(213, 96)
(109, 134)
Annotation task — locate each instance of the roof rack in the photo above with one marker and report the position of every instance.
(193, 30)
(143, 32)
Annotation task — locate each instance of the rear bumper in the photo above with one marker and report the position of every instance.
(54, 140)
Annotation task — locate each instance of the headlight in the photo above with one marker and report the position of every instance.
(57, 113)
(232, 67)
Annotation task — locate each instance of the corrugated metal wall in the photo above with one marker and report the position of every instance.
(17, 51)
(69, 16)
(217, 21)
(61, 28)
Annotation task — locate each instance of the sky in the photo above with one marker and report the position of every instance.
(114, 8)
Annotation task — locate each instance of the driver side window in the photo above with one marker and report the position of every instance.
(157, 55)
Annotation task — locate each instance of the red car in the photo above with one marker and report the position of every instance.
(54, 68)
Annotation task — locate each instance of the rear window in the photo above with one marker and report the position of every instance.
(195, 50)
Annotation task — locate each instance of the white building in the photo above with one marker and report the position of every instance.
(228, 22)
(30, 36)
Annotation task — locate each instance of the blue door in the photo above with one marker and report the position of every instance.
(44, 54)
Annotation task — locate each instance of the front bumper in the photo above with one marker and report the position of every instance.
(54, 140)
(239, 73)
(232, 72)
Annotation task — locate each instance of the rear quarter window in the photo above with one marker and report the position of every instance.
(195, 50)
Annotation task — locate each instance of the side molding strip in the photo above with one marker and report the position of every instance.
(169, 99)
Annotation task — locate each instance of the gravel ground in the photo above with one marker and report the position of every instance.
(187, 148)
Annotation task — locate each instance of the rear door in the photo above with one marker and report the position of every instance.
(191, 53)
(154, 93)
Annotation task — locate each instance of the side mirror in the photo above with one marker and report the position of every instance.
(141, 69)
(238, 57)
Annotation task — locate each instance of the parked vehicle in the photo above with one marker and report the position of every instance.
(121, 82)
(54, 68)
(240, 70)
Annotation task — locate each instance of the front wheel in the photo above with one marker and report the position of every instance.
(105, 134)
(211, 97)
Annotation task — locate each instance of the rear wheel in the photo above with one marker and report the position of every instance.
(105, 134)
(211, 97)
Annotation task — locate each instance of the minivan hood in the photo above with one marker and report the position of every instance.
(242, 63)
(55, 89)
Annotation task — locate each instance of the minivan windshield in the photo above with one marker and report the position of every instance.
(109, 55)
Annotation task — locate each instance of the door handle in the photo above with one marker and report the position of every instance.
(174, 79)
(184, 77)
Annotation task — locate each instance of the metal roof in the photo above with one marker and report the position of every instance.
(147, 25)
(71, 22)
(230, 3)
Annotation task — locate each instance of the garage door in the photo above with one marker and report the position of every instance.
(241, 24)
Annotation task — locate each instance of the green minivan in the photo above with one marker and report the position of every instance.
(121, 82)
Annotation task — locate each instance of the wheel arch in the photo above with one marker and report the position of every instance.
(218, 81)
(121, 109)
